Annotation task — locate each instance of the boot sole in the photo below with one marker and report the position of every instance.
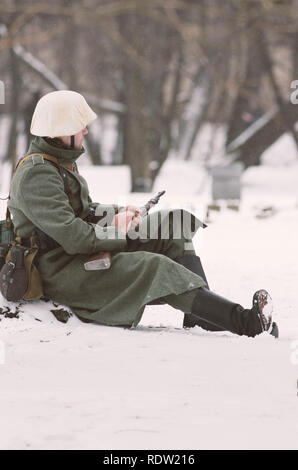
(262, 300)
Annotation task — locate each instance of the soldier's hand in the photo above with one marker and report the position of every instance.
(123, 220)
(137, 218)
(134, 209)
(136, 221)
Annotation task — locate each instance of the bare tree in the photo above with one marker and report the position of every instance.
(159, 66)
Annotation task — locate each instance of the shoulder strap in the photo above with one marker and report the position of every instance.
(52, 159)
(62, 172)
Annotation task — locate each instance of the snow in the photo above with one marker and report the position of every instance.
(84, 386)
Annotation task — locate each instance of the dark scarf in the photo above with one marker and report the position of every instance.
(56, 142)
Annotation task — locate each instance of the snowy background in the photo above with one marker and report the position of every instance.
(84, 386)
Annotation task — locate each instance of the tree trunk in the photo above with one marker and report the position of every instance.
(261, 135)
(246, 108)
(137, 151)
(196, 112)
(268, 66)
(14, 106)
(143, 127)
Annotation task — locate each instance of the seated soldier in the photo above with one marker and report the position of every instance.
(52, 199)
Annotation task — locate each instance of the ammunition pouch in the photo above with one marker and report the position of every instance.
(91, 217)
(6, 237)
(44, 242)
(6, 232)
(3, 253)
(19, 277)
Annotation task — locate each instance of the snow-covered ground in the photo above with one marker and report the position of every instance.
(84, 386)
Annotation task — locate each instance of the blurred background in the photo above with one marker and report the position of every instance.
(202, 81)
(198, 98)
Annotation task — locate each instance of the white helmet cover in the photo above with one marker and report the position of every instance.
(61, 113)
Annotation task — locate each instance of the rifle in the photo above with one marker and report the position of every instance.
(103, 260)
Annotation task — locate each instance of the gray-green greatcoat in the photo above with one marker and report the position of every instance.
(142, 271)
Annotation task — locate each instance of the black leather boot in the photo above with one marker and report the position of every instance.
(193, 263)
(230, 316)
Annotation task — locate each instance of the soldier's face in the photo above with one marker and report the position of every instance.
(78, 139)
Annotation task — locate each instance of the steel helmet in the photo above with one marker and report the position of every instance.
(61, 113)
